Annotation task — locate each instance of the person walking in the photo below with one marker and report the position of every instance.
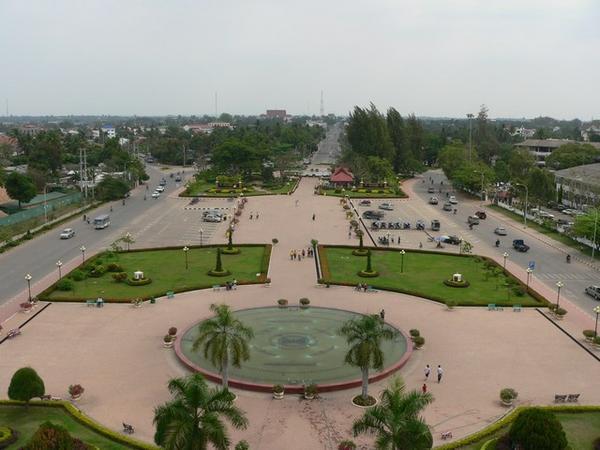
(427, 372)
(424, 388)
(382, 314)
(256, 216)
(250, 216)
(440, 372)
(314, 216)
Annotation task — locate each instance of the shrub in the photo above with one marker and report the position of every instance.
(242, 445)
(451, 303)
(282, 302)
(26, 384)
(114, 267)
(98, 262)
(119, 277)
(560, 311)
(419, 341)
(54, 437)
(278, 389)
(536, 428)
(142, 282)
(75, 390)
(274, 241)
(311, 389)
(168, 338)
(98, 271)
(508, 394)
(65, 284)
(78, 275)
(8, 436)
(590, 334)
(519, 291)
(304, 301)
(346, 445)
(596, 340)
(414, 333)
(173, 331)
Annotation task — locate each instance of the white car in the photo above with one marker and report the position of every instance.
(155, 194)
(159, 189)
(500, 231)
(67, 233)
(452, 200)
(386, 206)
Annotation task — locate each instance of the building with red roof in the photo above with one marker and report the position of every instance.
(342, 176)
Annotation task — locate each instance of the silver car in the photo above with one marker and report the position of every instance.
(500, 231)
(67, 233)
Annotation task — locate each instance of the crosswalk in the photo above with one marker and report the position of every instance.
(567, 276)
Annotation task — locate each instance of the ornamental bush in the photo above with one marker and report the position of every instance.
(78, 275)
(54, 437)
(98, 271)
(119, 277)
(26, 384)
(242, 445)
(536, 428)
(65, 284)
(114, 267)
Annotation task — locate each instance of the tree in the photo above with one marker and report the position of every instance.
(541, 185)
(20, 187)
(571, 155)
(485, 137)
(397, 131)
(111, 189)
(536, 428)
(193, 419)
(364, 336)
(378, 169)
(586, 226)
(396, 420)
(26, 384)
(225, 340)
(452, 157)
(520, 163)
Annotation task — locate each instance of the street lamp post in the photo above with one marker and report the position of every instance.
(185, 250)
(597, 311)
(201, 233)
(529, 271)
(59, 265)
(505, 255)
(559, 285)
(28, 279)
(128, 239)
(526, 201)
(594, 240)
(82, 248)
(402, 252)
(470, 116)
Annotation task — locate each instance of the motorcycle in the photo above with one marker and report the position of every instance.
(568, 259)
(497, 242)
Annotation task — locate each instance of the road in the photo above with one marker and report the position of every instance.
(152, 222)
(329, 148)
(550, 260)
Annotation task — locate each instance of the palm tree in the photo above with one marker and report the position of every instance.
(396, 421)
(193, 419)
(364, 336)
(225, 340)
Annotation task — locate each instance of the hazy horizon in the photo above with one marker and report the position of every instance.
(152, 58)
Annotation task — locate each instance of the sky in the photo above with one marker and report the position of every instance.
(434, 58)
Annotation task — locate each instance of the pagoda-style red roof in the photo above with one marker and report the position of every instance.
(342, 175)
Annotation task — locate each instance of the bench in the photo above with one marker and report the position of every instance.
(216, 287)
(446, 435)
(90, 302)
(558, 398)
(573, 398)
(371, 289)
(128, 429)
(517, 308)
(170, 294)
(491, 307)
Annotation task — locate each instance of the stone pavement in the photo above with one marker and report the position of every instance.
(116, 352)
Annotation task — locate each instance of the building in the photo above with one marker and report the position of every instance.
(10, 142)
(341, 177)
(579, 186)
(593, 130)
(109, 131)
(206, 128)
(31, 130)
(541, 148)
(276, 114)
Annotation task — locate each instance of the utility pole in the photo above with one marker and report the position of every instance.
(216, 106)
(184, 155)
(470, 116)
(322, 109)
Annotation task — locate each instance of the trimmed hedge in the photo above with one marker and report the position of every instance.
(326, 274)
(8, 436)
(457, 284)
(142, 282)
(87, 422)
(508, 419)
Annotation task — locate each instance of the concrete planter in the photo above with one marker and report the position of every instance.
(278, 395)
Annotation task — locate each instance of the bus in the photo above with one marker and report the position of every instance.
(101, 222)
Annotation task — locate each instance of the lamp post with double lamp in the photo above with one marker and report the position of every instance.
(201, 233)
(28, 279)
(526, 201)
(82, 248)
(559, 285)
(402, 253)
(597, 311)
(529, 272)
(59, 266)
(185, 250)
(505, 255)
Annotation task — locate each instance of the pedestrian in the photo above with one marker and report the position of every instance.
(349, 234)
(424, 388)
(256, 216)
(314, 216)
(84, 217)
(427, 372)
(297, 201)
(88, 220)
(440, 372)
(382, 314)
(392, 238)
(111, 208)
(250, 216)
(420, 245)
(291, 254)
(303, 253)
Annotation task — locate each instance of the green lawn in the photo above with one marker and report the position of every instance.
(27, 421)
(167, 270)
(388, 193)
(423, 276)
(202, 188)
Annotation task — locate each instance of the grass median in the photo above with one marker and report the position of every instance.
(167, 270)
(424, 274)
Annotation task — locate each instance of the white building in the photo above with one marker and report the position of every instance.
(109, 131)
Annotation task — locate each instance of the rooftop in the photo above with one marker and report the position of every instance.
(588, 172)
(553, 143)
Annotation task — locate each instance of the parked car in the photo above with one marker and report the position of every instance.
(178, 178)
(155, 194)
(500, 231)
(435, 225)
(520, 246)
(593, 291)
(546, 215)
(454, 240)
(447, 207)
(67, 233)
(473, 220)
(163, 182)
(212, 218)
(373, 215)
(430, 190)
(452, 200)
(386, 206)
(420, 225)
(569, 212)
(481, 214)
(364, 203)
(159, 189)
(433, 200)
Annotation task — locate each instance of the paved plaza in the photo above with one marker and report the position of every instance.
(116, 352)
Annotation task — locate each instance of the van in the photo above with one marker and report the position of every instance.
(473, 220)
